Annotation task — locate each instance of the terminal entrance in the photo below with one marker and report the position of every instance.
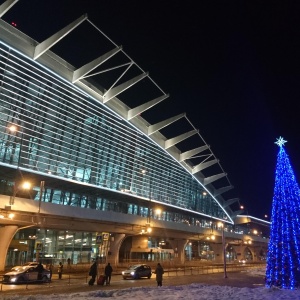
(52, 246)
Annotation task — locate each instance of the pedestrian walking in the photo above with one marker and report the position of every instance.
(108, 271)
(50, 268)
(159, 271)
(93, 272)
(60, 270)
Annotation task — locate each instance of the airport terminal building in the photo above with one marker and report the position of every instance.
(101, 179)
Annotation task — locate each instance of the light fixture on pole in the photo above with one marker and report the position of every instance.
(158, 213)
(148, 226)
(25, 186)
(222, 225)
(15, 129)
(42, 185)
(144, 172)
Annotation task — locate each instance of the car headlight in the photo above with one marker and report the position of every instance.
(13, 279)
(132, 273)
(123, 272)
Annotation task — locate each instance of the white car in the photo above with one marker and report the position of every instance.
(26, 274)
(31, 263)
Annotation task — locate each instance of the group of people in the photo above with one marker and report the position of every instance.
(159, 271)
(102, 279)
(59, 269)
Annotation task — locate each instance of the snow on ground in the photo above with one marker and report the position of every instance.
(187, 292)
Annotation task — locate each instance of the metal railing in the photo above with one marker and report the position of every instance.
(72, 275)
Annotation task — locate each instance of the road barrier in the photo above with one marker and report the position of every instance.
(73, 277)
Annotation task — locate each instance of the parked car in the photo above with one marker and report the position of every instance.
(24, 274)
(137, 271)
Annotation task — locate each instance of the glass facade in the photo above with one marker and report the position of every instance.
(64, 132)
(52, 245)
(79, 152)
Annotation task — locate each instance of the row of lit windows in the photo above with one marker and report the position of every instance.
(73, 136)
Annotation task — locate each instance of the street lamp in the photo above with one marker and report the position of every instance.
(158, 213)
(25, 186)
(33, 238)
(144, 172)
(149, 229)
(15, 129)
(42, 185)
(220, 224)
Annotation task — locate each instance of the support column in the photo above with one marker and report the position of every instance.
(239, 249)
(7, 233)
(255, 252)
(218, 251)
(115, 244)
(179, 246)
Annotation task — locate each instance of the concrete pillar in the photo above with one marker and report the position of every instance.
(179, 246)
(253, 252)
(258, 250)
(218, 251)
(239, 249)
(7, 233)
(115, 244)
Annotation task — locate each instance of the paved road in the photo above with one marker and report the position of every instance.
(78, 283)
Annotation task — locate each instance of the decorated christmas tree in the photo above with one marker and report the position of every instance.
(283, 258)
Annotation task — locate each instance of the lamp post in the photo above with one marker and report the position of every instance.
(15, 129)
(25, 186)
(33, 239)
(42, 185)
(149, 203)
(224, 248)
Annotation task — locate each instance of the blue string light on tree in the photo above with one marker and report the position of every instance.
(283, 258)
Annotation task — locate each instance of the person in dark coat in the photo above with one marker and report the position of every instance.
(93, 272)
(40, 269)
(159, 271)
(108, 271)
(60, 270)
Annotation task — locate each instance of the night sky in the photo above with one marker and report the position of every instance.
(232, 66)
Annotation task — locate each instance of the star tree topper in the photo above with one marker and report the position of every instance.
(280, 142)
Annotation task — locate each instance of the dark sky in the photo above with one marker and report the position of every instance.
(232, 66)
